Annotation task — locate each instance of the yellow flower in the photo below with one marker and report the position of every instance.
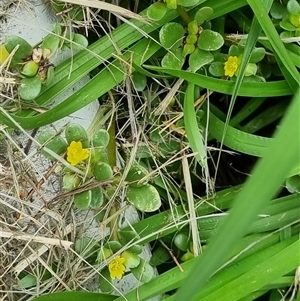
(3, 54)
(76, 154)
(116, 267)
(231, 66)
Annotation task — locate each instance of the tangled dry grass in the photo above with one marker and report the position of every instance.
(36, 234)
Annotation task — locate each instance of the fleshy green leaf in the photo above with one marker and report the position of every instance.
(199, 58)
(210, 40)
(234, 50)
(139, 81)
(83, 199)
(171, 34)
(216, 69)
(287, 26)
(143, 272)
(293, 7)
(23, 51)
(30, 88)
(145, 198)
(257, 55)
(81, 40)
(97, 198)
(203, 14)
(278, 11)
(50, 44)
(173, 59)
(156, 11)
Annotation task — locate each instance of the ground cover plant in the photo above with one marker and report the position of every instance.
(198, 129)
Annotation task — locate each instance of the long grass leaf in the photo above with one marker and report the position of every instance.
(273, 37)
(246, 206)
(191, 126)
(267, 89)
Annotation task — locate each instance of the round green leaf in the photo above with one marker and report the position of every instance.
(286, 35)
(278, 11)
(193, 28)
(76, 132)
(145, 198)
(55, 143)
(98, 155)
(135, 174)
(293, 7)
(156, 11)
(159, 256)
(70, 181)
(173, 59)
(143, 272)
(171, 4)
(295, 20)
(203, 14)
(199, 58)
(251, 69)
(103, 254)
(191, 39)
(100, 138)
(171, 34)
(97, 198)
(30, 69)
(139, 81)
(181, 241)
(257, 55)
(30, 88)
(57, 6)
(50, 44)
(136, 249)
(113, 245)
(83, 200)
(76, 13)
(102, 171)
(188, 49)
(210, 40)
(23, 51)
(287, 26)
(80, 41)
(131, 260)
(216, 69)
(187, 256)
(234, 50)
(292, 184)
(188, 3)
(105, 282)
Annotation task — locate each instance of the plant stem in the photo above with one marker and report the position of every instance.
(183, 14)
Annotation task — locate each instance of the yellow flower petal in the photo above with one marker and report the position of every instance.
(116, 267)
(76, 154)
(231, 66)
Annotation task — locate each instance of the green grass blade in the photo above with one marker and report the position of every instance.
(268, 89)
(108, 77)
(273, 37)
(191, 126)
(254, 33)
(275, 262)
(246, 206)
